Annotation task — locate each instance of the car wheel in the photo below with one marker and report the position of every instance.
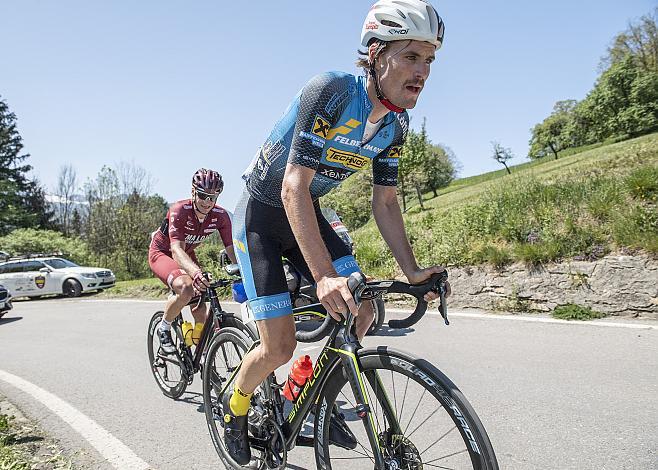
(72, 288)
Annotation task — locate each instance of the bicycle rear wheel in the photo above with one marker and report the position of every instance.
(168, 369)
(421, 418)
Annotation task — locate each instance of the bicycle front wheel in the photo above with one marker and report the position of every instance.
(168, 369)
(420, 417)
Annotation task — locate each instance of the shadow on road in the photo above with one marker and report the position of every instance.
(193, 398)
(386, 331)
(9, 320)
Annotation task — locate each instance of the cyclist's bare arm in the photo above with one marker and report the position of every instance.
(182, 258)
(388, 216)
(332, 290)
(231, 254)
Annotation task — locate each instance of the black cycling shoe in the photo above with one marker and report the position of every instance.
(236, 438)
(166, 343)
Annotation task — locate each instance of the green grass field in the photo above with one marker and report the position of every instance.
(586, 204)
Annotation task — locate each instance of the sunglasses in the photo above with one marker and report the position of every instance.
(206, 196)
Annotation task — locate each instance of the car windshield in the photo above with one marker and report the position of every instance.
(59, 263)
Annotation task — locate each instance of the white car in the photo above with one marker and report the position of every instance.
(5, 301)
(33, 277)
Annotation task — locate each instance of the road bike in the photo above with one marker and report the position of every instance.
(402, 411)
(175, 372)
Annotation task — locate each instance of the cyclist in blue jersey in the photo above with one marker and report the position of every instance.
(336, 125)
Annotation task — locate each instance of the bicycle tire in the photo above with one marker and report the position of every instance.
(457, 414)
(170, 388)
(212, 380)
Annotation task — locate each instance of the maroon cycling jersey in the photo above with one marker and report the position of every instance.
(183, 225)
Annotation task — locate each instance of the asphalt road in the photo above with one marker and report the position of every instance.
(551, 395)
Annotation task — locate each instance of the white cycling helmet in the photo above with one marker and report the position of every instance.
(393, 20)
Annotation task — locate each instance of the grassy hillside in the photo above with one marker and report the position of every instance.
(583, 205)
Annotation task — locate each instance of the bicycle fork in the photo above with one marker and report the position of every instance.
(347, 353)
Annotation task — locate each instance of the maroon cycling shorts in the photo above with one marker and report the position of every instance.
(165, 268)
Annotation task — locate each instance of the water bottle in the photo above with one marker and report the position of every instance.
(188, 330)
(301, 370)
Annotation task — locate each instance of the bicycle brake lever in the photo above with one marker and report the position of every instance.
(443, 307)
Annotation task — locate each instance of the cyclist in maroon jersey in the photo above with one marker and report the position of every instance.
(171, 254)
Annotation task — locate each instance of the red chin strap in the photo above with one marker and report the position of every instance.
(390, 106)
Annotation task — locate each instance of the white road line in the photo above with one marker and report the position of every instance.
(112, 449)
(497, 316)
(483, 316)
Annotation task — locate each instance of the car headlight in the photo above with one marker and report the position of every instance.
(89, 275)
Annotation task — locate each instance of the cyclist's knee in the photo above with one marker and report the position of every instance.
(280, 353)
(183, 288)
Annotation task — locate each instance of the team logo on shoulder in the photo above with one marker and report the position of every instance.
(321, 127)
(395, 152)
(348, 159)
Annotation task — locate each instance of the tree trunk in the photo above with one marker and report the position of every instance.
(553, 149)
(420, 198)
(434, 190)
(508, 172)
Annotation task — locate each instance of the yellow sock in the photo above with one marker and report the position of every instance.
(196, 333)
(240, 402)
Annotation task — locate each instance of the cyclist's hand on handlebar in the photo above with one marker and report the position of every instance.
(422, 275)
(335, 296)
(200, 282)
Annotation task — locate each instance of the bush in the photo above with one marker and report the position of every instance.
(575, 312)
(28, 240)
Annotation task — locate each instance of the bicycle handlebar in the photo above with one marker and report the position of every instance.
(362, 290)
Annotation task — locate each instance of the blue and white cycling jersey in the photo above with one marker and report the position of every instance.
(322, 129)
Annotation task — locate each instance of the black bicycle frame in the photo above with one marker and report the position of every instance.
(217, 319)
(339, 351)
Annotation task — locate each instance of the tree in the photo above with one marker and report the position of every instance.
(22, 201)
(440, 168)
(502, 155)
(623, 103)
(639, 41)
(66, 187)
(552, 134)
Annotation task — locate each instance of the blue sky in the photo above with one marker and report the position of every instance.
(174, 86)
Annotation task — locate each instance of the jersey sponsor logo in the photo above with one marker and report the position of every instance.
(337, 174)
(356, 143)
(315, 140)
(372, 148)
(268, 155)
(321, 127)
(209, 231)
(395, 152)
(187, 206)
(195, 239)
(213, 220)
(346, 128)
(40, 281)
(348, 159)
(391, 161)
(404, 123)
(218, 209)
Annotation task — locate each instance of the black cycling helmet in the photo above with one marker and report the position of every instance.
(207, 181)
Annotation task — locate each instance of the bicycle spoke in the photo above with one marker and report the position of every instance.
(433, 443)
(423, 422)
(438, 466)
(414, 413)
(445, 457)
(404, 397)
